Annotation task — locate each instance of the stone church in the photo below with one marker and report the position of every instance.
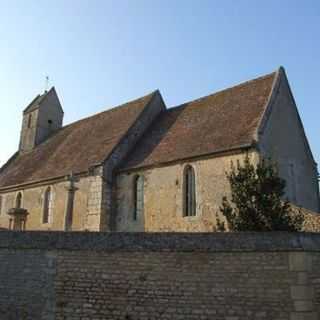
(144, 167)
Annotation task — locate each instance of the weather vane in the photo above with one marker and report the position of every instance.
(46, 86)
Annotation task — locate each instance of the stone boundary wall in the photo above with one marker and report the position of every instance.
(137, 276)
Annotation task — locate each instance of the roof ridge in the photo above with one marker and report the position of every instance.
(109, 110)
(8, 161)
(225, 89)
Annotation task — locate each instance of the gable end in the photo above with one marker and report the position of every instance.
(279, 80)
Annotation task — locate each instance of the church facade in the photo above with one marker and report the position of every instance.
(144, 167)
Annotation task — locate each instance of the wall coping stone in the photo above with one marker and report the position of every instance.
(182, 242)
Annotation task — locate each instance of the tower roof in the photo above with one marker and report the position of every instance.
(35, 103)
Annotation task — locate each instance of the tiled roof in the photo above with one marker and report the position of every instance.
(75, 147)
(222, 121)
(219, 122)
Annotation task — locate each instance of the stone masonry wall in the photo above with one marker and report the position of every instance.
(86, 210)
(163, 195)
(233, 276)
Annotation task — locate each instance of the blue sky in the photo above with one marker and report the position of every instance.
(100, 54)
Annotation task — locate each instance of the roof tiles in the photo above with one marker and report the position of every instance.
(75, 147)
(219, 122)
(222, 121)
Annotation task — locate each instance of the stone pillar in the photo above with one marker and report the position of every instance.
(302, 291)
(93, 217)
(71, 189)
(18, 219)
(97, 218)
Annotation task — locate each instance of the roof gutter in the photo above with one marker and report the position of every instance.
(40, 182)
(217, 153)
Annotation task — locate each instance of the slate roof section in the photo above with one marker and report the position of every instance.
(219, 122)
(75, 147)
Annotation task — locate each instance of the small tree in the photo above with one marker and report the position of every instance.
(256, 200)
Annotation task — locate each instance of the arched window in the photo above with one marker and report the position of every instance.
(19, 200)
(47, 206)
(189, 192)
(138, 197)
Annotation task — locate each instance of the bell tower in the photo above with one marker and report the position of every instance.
(42, 117)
